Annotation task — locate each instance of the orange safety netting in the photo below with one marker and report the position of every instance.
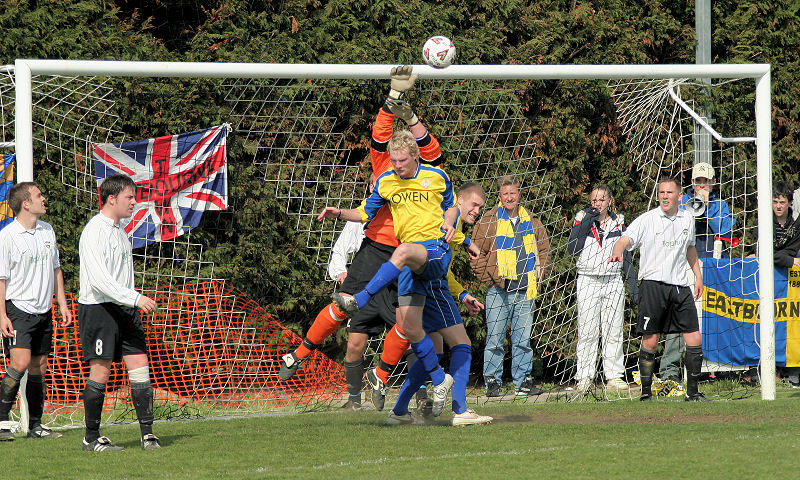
(209, 344)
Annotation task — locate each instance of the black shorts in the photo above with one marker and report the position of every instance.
(110, 331)
(379, 313)
(665, 308)
(32, 331)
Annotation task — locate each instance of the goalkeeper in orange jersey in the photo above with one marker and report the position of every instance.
(377, 248)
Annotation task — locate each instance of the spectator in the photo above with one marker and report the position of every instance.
(715, 219)
(786, 228)
(786, 243)
(515, 252)
(601, 294)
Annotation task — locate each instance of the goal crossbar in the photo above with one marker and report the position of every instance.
(760, 73)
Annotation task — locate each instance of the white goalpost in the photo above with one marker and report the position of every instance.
(26, 70)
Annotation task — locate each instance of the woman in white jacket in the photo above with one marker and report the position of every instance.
(600, 291)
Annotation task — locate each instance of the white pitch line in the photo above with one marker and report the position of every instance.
(272, 469)
(426, 458)
(501, 453)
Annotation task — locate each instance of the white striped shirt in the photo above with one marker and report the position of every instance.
(106, 264)
(663, 242)
(28, 259)
(349, 241)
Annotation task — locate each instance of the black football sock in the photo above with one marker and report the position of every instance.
(35, 392)
(8, 391)
(693, 359)
(93, 397)
(353, 374)
(647, 361)
(142, 395)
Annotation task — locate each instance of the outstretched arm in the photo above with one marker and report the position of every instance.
(348, 242)
(347, 214)
(622, 244)
(403, 80)
(474, 307)
(458, 291)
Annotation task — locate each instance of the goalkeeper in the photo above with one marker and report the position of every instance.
(376, 249)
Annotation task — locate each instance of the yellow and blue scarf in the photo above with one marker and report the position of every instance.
(507, 256)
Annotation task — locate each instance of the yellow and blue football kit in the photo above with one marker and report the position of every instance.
(441, 310)
(417, 204)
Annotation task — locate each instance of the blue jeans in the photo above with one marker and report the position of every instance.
(503, 309)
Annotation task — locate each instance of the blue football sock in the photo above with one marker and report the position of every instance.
(385, 275)
(426, 355)
(410, 361)
(416, 376)
(460, 359)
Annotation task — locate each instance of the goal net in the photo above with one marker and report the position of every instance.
(239, 287)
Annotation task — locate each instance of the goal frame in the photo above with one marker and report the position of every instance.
(24, 69)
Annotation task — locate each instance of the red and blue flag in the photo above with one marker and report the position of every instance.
(178, 177)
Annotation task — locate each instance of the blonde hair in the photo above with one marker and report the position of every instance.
(507, 180)
(404, 140)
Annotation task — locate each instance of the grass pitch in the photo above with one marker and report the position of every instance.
(667, 438)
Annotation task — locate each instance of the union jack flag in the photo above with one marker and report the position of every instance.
(178, 177)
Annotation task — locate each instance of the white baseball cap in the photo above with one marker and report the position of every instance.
(702, 169)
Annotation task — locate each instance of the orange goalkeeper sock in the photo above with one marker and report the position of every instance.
(394, 346)
(328, 320)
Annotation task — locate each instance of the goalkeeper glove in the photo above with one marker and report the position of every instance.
(403, 111)
(402, 80)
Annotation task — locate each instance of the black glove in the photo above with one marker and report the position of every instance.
(591, 213)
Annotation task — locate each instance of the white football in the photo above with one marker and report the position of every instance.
(438, 52)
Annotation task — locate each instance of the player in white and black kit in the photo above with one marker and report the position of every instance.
(665, 236)
(30, 272)
(107, 314)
